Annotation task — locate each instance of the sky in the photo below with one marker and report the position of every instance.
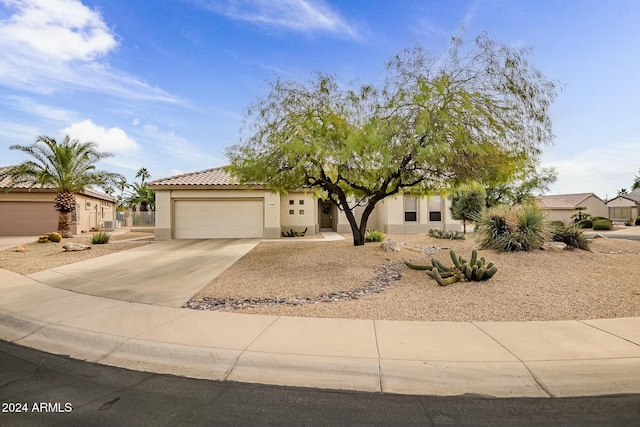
(165, 84)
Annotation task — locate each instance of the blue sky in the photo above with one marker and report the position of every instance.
(164, 84)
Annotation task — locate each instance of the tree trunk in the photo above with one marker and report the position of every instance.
(64, 224)
(464, 226)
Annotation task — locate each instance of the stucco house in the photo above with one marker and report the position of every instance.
(625, 207)
(25, 212)
(560, 207)
(211, 204)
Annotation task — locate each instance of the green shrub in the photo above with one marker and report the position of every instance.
(373, 236)
(572, 236)
(521, 228)
(585, 223)
(596, 218)
(602, 224)
(100, 238)
(446, 234)
(638, 221)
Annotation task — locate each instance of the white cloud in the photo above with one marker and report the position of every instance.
(32, 106)
(602, 170)
(57, 29)
(113, 140)
(296, 15)
(48, 46)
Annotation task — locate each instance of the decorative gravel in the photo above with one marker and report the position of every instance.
(338, 280)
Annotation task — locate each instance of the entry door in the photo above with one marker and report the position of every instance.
(326, 215)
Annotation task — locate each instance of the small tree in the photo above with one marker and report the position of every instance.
(470, 114)
(467, 202)
(636, 182)
(143, 174)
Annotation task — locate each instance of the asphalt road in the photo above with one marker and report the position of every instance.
(39, 389)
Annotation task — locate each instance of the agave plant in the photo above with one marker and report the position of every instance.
(68, 167)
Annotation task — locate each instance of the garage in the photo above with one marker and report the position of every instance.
(219, 218)
(27, 218)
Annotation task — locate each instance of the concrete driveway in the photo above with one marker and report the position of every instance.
(164, 273)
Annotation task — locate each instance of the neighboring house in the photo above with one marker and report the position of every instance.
(25, 212)
(561, 207)
(211, 204)
(625, 207)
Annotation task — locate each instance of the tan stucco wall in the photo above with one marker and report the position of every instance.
(93, 213)
(298, 221)
(392, 210)
(620, 202)
(595, 207)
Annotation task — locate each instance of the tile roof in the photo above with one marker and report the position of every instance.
(634, 195)
(214, 176)
(563, 201)
(6, 181)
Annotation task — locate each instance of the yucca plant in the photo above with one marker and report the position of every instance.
(572, 236)
(517, 228)
(100, 238)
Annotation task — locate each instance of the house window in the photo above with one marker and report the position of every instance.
(291, 202)
(301, 211)
(435, 208)
(301, 202)
(621, 213)
(410, 209)
(291, 211)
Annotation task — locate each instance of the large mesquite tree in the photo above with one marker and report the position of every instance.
(473, 113)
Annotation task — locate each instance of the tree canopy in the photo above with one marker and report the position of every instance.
(476, 112)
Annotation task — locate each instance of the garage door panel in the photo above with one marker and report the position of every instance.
(27, 218)
(206, 219)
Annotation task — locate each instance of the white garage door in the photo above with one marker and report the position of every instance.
(210, 219)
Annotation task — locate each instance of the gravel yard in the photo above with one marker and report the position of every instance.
(43, 256)
(538, 285)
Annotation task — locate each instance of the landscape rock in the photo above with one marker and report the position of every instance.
(390, 246)
(22, 249)
(554, 246)
(72, 246)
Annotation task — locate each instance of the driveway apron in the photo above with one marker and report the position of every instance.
(164, 273)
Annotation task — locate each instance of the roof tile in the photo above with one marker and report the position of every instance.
(214, 176)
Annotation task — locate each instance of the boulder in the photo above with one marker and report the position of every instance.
(390, 246)
(72, 246)
(554, 246)
(22, 249)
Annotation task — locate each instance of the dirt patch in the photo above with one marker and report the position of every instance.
(44, 256)
(536, 285)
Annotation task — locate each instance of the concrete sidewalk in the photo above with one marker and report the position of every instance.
(502, 359)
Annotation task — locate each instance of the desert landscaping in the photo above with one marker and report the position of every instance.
(537, 285)
(337, 280)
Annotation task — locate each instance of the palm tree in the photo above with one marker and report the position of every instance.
(141, 195)
(143, 174)
(68, 167)
(122, 185)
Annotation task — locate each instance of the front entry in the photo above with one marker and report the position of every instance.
(326, 215)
